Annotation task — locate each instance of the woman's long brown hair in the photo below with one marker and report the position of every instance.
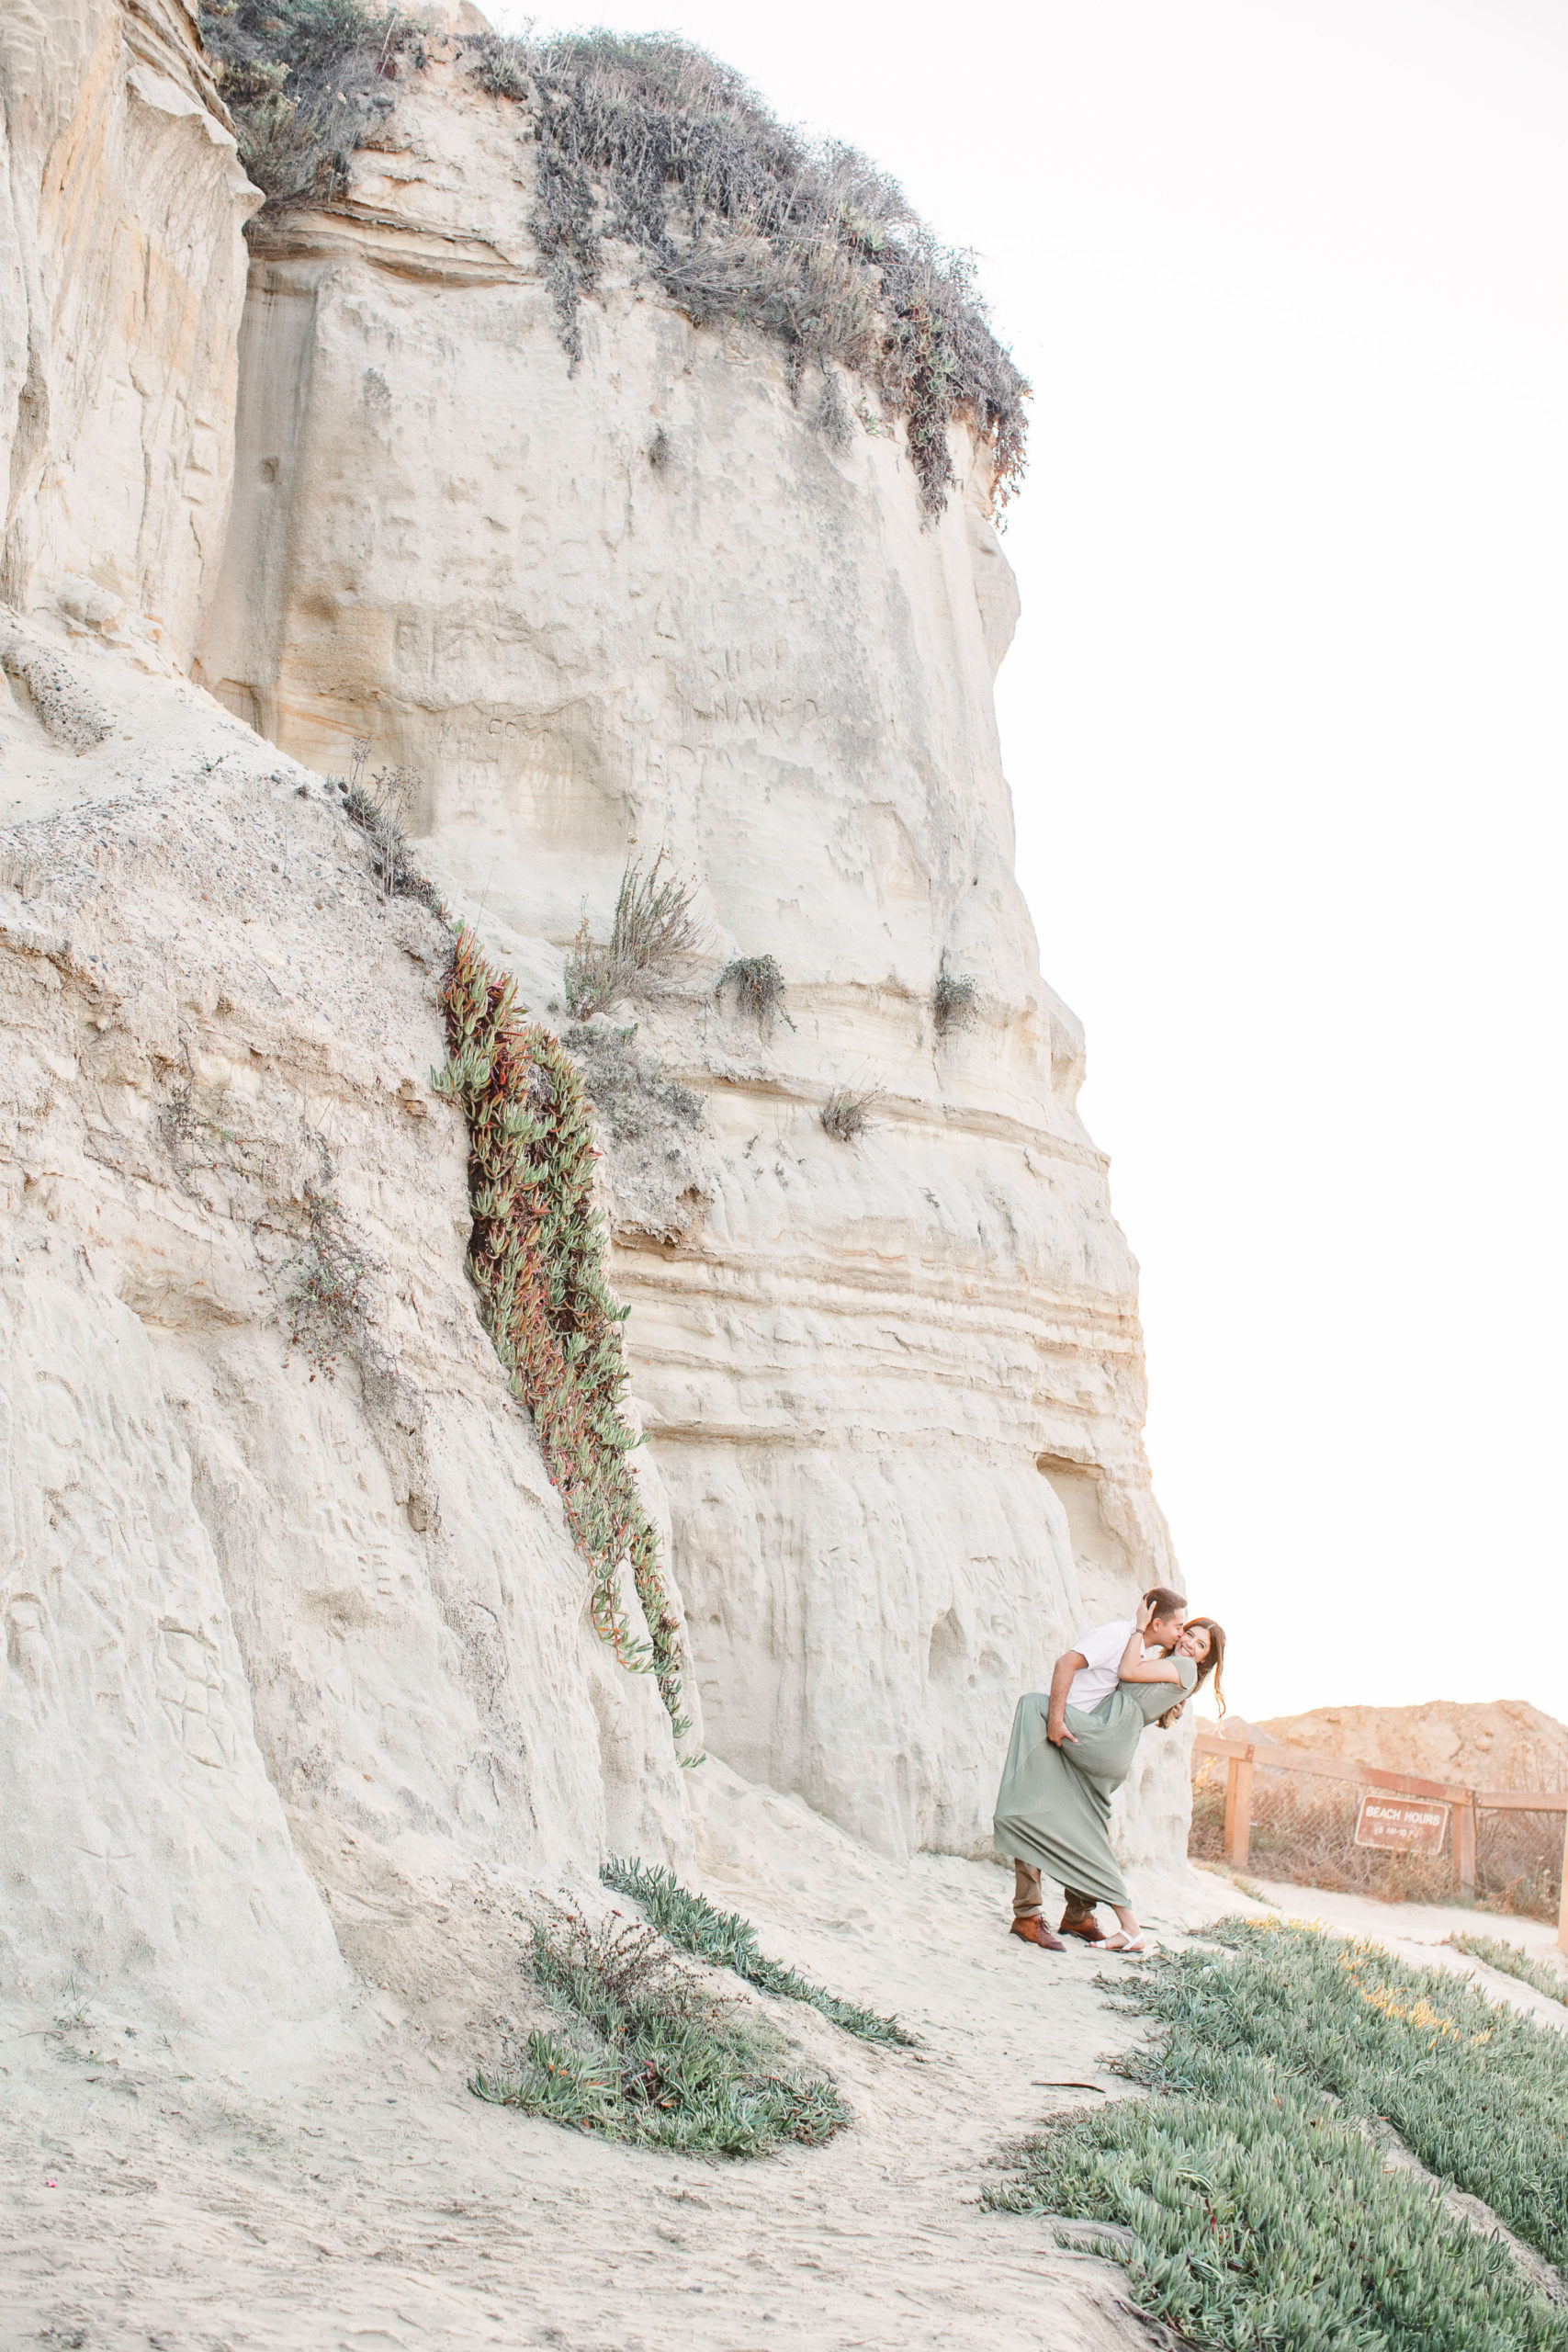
(1213, 1664)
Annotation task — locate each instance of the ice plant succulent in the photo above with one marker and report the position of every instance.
(536, 1258)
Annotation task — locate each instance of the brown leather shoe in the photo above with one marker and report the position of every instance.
(1089, 1930)
(1033, 1931)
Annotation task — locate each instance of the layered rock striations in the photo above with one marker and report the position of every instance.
(295, 1661)
(122, 272)
(297, 1667)
(684, 595)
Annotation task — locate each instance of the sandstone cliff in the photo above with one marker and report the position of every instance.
(294, 1630)
(122, 271)
(297, 1660)
(684, 594)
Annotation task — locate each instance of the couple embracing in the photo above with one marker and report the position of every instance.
(1070, 1753)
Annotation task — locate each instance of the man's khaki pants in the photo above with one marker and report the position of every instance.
(1026, 1896)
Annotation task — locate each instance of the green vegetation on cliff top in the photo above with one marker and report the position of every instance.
(646, 142)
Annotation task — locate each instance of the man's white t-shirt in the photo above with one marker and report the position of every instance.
(1103, 1650)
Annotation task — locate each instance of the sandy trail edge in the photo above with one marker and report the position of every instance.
(362, 2199)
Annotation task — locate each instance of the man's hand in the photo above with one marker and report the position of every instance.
(1056, 1730)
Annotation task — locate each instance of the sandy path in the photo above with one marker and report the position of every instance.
(366, 2200)
(371, 2201)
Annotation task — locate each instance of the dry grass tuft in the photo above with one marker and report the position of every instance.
(653, 929)
(846, 1114)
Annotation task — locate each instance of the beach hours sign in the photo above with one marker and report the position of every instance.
(1401, 1824)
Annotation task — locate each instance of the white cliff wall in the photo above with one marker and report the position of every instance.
(895, 1387)
(122, 273)
(295, 1658)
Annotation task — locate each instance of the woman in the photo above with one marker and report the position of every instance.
(1053, 1805)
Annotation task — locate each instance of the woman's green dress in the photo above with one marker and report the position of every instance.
(1053, 1805)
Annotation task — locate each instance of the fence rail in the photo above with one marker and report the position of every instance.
(1241, 1758)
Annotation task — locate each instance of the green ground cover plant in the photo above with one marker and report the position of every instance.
(646, 2052)
(725, 1941)
(1542, 1976)
(536, 1258)
(1257, 2209)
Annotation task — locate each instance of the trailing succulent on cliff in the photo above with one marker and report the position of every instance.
(648, 139)
(537, 1261)
(301, 79)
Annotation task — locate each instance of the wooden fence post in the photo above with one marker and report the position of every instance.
(1238, 1810)
(1464, 1846)
(1562, 1907)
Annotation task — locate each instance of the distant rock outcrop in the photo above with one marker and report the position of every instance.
(1503, 1744)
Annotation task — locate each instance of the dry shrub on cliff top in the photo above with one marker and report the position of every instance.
(536, 1258)
(648, 139)
(301, 79)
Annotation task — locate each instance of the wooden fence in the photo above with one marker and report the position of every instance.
(1241, 1757)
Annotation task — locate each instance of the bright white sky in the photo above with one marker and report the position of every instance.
(1284, 725)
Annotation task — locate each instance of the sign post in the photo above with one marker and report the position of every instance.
(1408, 1825)
(1465, 1849)
(1238, 1809)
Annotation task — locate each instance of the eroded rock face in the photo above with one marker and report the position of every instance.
(893, 1385)
(294, 1634)
(122, 272)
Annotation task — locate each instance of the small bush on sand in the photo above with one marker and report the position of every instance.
(1248, 2195)
(846, 1114)
(1541, 1975)
(955, 1000)
(759, 988)
(647, 2052)
(725, 1941)
(653, 928)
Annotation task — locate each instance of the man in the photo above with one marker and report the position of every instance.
(1081, 1677)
